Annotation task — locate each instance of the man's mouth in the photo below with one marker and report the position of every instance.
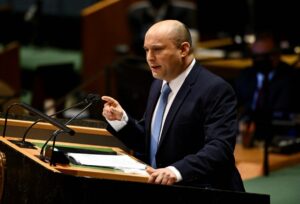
(155, 67)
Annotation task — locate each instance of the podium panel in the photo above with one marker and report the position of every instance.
(27, 179)
(95, 134)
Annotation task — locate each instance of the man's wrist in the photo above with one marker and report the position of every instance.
(176, 172)
(119, 124)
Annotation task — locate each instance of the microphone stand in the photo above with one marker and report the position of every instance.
(42, 115)
(22, 143)
(54, 136)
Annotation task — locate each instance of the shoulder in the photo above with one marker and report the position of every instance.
(206, 80)
(206, 75)
(212, 91)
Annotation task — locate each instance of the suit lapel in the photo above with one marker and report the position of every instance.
(179, 99)
(153, 97)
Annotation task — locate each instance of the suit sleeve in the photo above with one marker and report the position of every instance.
(132, 135)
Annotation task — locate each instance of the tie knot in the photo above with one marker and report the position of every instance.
(166, 89)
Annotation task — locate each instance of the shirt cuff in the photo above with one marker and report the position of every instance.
(119, 124)
(176, 172)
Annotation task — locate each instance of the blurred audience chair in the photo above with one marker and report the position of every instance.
(53, 81)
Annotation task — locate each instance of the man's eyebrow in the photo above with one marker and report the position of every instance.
(154, 46)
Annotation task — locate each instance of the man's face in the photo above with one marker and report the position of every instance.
(264, 56)
(163, 56)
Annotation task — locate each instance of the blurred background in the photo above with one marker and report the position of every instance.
(53, 53)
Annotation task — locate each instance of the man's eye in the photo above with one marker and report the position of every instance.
(157, 49)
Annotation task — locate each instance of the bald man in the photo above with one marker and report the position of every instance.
(199, 127)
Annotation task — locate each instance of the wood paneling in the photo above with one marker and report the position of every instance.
(104, 26)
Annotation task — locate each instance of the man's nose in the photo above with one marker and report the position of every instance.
(150, 55)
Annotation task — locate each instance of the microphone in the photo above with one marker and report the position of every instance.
(22, 143)
(45, 117)
(56, 156)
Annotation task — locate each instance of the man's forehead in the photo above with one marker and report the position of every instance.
(154, 42)
(156, 36)
(157, 40)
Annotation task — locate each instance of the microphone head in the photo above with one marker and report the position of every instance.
(93, 98)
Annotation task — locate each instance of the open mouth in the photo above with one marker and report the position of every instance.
(155, 67)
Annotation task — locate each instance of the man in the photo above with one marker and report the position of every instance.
(267, 88)
(199, 127)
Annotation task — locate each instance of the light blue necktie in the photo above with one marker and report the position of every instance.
(156, 127)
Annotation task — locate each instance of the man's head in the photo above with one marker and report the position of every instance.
(265, 53)
(168, 47)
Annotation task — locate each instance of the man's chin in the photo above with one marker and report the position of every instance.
(156, 76)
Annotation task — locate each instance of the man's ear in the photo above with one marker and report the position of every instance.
(185, 49)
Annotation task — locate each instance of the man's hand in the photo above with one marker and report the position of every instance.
(161, 176)
(112, 110)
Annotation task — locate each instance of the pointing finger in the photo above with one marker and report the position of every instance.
(109, 100)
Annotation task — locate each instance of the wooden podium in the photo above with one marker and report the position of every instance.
(27, 179)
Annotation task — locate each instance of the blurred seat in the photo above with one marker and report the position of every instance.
(7, 97)
(129, 80)
(53, 81)
(10, 71)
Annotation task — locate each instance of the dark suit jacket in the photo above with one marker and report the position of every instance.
(199, 133)
(283, 89)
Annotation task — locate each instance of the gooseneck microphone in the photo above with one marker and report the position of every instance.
(92, 98)
(45, 117)
(24, 144)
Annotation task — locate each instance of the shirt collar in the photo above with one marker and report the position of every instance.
(176, 83)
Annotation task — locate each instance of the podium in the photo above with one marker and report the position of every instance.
(27, 179)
